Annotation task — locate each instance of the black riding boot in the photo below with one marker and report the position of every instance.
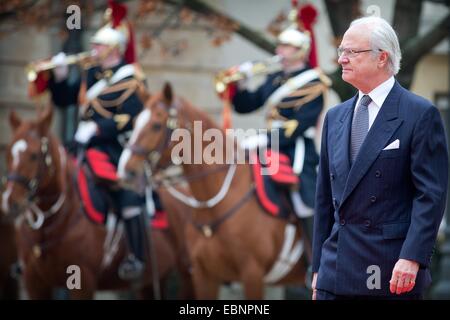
(133, 265)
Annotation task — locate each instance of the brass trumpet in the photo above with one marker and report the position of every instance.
(86, 59)
(225, 77)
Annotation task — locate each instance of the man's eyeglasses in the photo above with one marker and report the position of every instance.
(350, 52)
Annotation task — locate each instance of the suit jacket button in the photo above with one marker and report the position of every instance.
(342, 222)
(378, 173)
(332, 177)
(335, 203)
(373, 199)
(367, 223)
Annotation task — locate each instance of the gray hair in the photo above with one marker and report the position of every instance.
(383, 37)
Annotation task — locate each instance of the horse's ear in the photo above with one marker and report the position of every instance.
(167, 93)
(45, 120)
(14, 120)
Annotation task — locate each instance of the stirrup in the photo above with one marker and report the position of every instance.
(131, 268)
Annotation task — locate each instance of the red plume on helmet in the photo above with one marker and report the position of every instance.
(306, 18)
(117, 18)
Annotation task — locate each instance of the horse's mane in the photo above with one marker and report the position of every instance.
(188, 111)
(194, 113)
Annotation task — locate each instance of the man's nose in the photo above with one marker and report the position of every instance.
(342, 59)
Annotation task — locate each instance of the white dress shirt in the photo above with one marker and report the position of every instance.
(378, 95)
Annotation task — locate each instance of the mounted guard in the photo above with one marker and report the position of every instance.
(293, 97)
(110, 96)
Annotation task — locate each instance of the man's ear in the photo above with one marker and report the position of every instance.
(14, 120)
(383, 59)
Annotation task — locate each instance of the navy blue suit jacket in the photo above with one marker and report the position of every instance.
(387, 205)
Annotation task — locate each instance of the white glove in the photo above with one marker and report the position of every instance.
(86, 130)
(62, 69)
(246, 68)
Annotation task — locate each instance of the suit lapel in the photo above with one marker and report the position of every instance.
(342, 140)
(386, 123)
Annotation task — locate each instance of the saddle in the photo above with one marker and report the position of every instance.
(95, 174)
(274, 178)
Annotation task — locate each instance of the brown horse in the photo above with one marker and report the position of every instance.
(230, 238)
(53, 233)
(8, 256)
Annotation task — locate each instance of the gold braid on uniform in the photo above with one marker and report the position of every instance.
(128, 87)
(307, 94)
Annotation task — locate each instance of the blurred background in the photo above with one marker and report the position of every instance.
(187, 42)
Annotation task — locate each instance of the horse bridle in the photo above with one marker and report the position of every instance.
(151, 161)
(152, 157)
(32, 184)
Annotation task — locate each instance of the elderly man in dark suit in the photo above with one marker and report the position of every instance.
(382, 180)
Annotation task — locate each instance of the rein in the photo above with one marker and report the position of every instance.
(39, 247)
(163, 178)
(209, 228)
(31, 185)
(151, 161)
(213, 201)
(34, 215)
(41, 216)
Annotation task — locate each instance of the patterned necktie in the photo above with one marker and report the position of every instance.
(360, 126)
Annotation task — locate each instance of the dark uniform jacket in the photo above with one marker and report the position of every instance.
(113, 111)
(304, 106)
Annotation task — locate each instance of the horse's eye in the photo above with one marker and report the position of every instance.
(33, 156)
(156, 126)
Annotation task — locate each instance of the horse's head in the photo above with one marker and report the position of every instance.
(149, 144)
(29, 162)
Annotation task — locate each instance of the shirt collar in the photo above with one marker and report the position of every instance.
(380, 93)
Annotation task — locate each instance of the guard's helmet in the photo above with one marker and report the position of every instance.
(296, 38)
(110, 37)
